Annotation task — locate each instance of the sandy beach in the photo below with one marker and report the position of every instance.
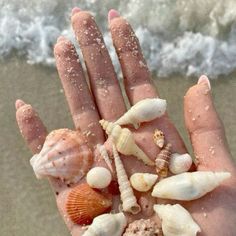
(27, 205)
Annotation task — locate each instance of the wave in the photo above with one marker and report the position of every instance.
(185, 37)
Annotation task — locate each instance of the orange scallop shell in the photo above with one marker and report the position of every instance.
(84, 204)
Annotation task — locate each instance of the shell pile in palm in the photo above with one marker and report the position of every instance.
(143, 111)
(64, 155)
(124, 141)
(176, 221)
(189, 186)
(84, 204)
(107, 225)
(162, 161)
(159, 138)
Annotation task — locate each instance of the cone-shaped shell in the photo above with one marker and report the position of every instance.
(176, 221)
(107, 225)
(180, 163)
(129, 201)
(162, 160)
(159, 138)
(143, 111)
(64, 155)
(124, 141)
(189, 186)
(143, 182)
(103, 152)
(84, 204)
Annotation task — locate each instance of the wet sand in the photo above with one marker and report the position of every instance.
(27, 205)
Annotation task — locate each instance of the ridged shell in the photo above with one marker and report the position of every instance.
(162, 161)
(180, 163)
(143, 182)
(84, 204)
(142, 227)
(64, 155)
(143, 111)
(159, 138)
(98, 177)
(129, 201)
(176, 221)
(107, 225)
(124, 141)
(189, 186)
(105, 156)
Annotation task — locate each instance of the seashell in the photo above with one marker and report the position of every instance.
(107, 225)
(105, 156)
(142, 227)
(143, 182)
(143, 111)
(159, 138)
(189, 186)
(180, 163)
(129, 201)
(84, 204)
(64, 155)
(98, 177)
(176, 220)
(124, 141)
(162, 160)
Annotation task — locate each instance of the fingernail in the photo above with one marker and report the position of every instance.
(75, 10)
(60, 38)
(112, 14)
(19, 103)
(204, 79)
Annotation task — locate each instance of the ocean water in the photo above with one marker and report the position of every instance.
(183, 37)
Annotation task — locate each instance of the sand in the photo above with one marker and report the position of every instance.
(27, 205)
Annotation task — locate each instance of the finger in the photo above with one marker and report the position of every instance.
(205, 128)
(31, 127)
(81, 104)
(137, 80)
(104, 83)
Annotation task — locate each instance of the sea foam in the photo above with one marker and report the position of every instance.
(182, 36)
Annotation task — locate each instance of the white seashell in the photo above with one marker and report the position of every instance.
(180, 163)
(105, 156)
(189, 186)
(143, 111)
(64, 155)
(159, 138)
(176, 220)
(124, 141)
(98, 177)
(107, 225)
(129, 201)
(143, 182)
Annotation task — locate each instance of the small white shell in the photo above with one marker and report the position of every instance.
(189, 186)
(145, 110)
(107, 225)
(98, 177)
(180, 163)
(143, 182)
(105, 156)
(176, 221)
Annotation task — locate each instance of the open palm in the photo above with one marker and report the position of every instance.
(101, 98)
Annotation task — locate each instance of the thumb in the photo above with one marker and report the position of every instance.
(206, 129)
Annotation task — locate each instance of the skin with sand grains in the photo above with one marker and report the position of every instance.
(105, 101)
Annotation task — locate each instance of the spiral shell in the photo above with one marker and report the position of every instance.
(180, 163)
(129, 201)
(159, 138)
(189, 185)
(143, 111)
(98, 177)
(64, 155)
(107, 225)
(104, 155)
(143, 182)
(176, 221)
(124, 141)
(162, 160)
(83, 204)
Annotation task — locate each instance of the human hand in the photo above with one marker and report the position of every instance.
(106, 102)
